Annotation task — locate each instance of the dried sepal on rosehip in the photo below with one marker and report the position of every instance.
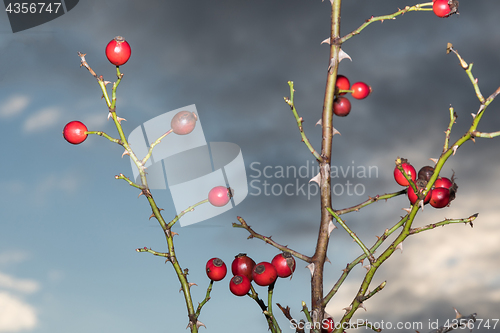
(413, 197)
(264, 274)
(284, 264)
(239, 285)
(216, 269)
(445, 8)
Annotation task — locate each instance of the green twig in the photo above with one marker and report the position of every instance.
(367, 252)
(290, 102)
(420, 7)
(131, 183)
(453, 118)
(189, 209)
(431, 226)
(159, 254)
(368, 202)
(150, 152)
(106, 136)
(207, 298)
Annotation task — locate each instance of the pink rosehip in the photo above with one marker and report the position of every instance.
(183, 122)
(219, 196)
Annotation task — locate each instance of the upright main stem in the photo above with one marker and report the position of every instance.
(325, 183)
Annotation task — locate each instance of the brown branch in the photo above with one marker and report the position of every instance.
(268, 240)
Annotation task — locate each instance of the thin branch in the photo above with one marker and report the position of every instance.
(290, 102)
(431, 226)
(453, 118)
(369, 201)
(468, 70)
(159, 254)
(419, 7)
(100, 133)
(206, 299)
(131, 183)
(189, 209)
(157, 141)
(485, 135)
(268, 240)
(369, 255)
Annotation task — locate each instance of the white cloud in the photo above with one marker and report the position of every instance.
(13, 106)
(45, 118)
(22, 285)
(8, 257)
(15, 314)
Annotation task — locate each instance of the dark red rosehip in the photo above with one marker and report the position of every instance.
(216, 269)
(284, 264)
(118, 51)
(239, 285)
(426, 173)
(264, 273)
(243, 265)
(440, 197)
(341, 106)
(74, 132)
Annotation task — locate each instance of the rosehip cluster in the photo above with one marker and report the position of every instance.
(442, 193)
(445, 8)
(245, 270)
(359, 90)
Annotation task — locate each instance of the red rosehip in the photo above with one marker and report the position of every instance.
(284, 264)
(413, 197)
(342, 83)
(360, 90)
(341, 106)
(239, 285)
(74, 132)
(219, 196)
(410, 171)
(264, 273)
(216, 269)
(243, 265)
(118, 51)
(328, 325)
(441, 8)
(440, 197)
(183, 122)
(443, 182)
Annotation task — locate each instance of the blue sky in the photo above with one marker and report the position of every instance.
(69, 230)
